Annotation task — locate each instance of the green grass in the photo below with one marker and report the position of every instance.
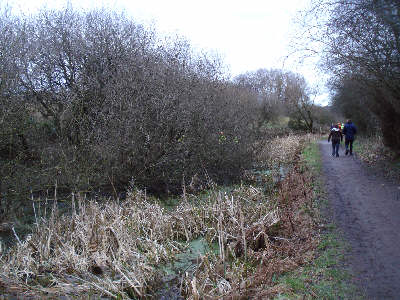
(312, 158)
(325, 277)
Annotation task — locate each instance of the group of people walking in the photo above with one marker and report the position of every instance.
(336, 135)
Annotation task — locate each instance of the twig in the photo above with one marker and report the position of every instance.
(112, 184)
(73, 204)
(129, 281)
(34, 211)
(243, 235)
(280, 238)
(16, 236)
(95, 285)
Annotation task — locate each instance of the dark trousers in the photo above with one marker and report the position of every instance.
(335, 148)
(349, 142)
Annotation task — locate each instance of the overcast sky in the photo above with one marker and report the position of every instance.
(248, 35)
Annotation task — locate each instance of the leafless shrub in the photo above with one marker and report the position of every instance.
(99, 100)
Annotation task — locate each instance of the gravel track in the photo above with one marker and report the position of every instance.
(366, 208)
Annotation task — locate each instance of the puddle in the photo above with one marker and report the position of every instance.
(277, 176)
(184, 262)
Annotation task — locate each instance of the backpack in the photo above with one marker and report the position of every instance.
(335, 135)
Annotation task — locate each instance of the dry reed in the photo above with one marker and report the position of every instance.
(116, 249)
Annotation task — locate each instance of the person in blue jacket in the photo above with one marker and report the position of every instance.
(349, 132)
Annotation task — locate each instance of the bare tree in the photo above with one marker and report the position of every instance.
(298, 99)
(359, 39)
(280, 92)
(268, 86)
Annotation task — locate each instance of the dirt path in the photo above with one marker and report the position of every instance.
(366, 208)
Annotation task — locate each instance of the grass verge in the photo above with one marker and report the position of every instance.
(326, 277)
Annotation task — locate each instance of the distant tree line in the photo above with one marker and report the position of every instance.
(284, 93)
(360, 40)
(93, 100)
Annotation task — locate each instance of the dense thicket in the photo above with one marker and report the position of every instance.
(361, 47)
(94, 99)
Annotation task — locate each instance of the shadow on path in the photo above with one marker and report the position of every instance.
(366, 208)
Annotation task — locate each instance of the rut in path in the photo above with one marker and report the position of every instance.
(366, 209)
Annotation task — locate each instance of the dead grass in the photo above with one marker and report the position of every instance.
(109, 249)
(116, 249)
(280, 241)
(283, 150)
(372, 151)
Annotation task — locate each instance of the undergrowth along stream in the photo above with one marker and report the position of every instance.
(118, 249)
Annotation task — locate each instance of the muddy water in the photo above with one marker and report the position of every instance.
(185, 262)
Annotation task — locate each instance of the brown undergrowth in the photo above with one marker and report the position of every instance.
(117, 250)
(262, 250)
(372, 151)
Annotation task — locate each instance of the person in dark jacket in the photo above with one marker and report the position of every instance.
(349, 132)
(336, 137)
